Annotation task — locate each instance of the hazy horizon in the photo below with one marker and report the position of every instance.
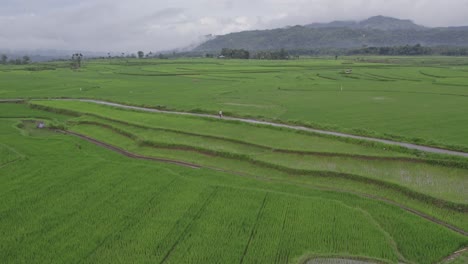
(122, 26)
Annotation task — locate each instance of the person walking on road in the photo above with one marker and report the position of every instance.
(220, 114)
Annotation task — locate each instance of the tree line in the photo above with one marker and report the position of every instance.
(415, 50)
(140, 55)
(17, 61)
(406, 50)
(282, 54)
(226, 53)
(235, 53)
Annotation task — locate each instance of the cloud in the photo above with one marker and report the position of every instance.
(118, 25)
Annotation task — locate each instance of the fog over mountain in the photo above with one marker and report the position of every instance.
(128, 26)
(377, 31)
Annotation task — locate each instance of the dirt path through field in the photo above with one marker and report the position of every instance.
(129, 154)
(455, 255)
(301, 128)
(195, 166)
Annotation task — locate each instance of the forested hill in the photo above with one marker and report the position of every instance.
(376, 31)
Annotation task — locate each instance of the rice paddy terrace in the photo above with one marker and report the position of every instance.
(105, 184)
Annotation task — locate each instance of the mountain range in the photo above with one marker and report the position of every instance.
(377, 31)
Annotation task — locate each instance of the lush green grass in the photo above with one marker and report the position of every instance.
(438, 181)
(191, 140)
(441, 182)
(70, 200)
(240, 138)
(245, 162)
(463, 258)
(399, 98)
(263, 194)
(21, 110)
(258, 135)
(7, 155)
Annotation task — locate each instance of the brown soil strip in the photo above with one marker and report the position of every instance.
(129, 154)
(407, 145)
(403, 190)
(211, 153)
(287, 151)
(195, 166)
(206, 152)
(455, 255)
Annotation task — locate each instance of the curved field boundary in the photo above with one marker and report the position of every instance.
(264, 147)
(243, 157)
(380, 91)
(326, 77)
(12, 100)
(195, 166)
(391, 77)
(455, 255)
(415, 212)
(240, 142)
(158, 74)
(298, 128)
(431, 75)
(129, 154)
(358, 178)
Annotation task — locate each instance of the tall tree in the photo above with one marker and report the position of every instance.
(76, 60)
(26, 59)
(141, 54)
(283, 55)
(4, 59)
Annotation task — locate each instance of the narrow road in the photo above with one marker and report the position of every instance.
(301, 128)
(196, 166)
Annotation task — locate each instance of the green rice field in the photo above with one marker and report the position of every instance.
(102, 184)
(398, 99)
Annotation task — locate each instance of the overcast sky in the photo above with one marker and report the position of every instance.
(118, 25)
